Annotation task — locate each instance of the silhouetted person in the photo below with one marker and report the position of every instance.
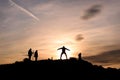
(29, 53)
(63, 51)
(36, 55)
(79, 56)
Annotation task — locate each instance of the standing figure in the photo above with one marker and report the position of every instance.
(29, 53)
(63, 51)
(36, 55)
(79, 56)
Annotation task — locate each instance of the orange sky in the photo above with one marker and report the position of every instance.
(87, 26)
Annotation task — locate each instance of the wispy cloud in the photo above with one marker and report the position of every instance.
(106, 58)
(79, 37)
(24, 10)
(92, 11)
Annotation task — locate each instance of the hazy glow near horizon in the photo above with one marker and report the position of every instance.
(91, 27)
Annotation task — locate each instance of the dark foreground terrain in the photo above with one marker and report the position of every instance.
(71, 69)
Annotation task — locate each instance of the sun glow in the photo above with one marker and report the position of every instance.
(67, 42)
(69, 54)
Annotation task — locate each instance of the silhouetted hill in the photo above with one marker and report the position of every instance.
(57, 69)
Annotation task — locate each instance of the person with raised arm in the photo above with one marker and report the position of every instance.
(63, 51)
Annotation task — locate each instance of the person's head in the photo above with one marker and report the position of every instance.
(36, 50)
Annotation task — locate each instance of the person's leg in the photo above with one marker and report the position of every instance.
(36, 58)
(66, 56)
(29, 57)
(61, 55)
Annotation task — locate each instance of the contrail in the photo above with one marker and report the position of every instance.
(24, 10)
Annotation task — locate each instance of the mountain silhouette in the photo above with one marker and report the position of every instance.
(72, 68)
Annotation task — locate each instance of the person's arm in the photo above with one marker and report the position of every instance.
(68, 49)
(58, 48)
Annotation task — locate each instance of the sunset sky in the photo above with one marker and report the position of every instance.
(91, 27)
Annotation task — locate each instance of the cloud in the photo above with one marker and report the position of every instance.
(3, 9)
(24, 10)
(79, 37)
(108, 57)
(91, 12)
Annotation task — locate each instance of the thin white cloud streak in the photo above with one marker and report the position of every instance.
(24, 10)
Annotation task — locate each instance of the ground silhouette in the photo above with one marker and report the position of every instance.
(73, 68)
